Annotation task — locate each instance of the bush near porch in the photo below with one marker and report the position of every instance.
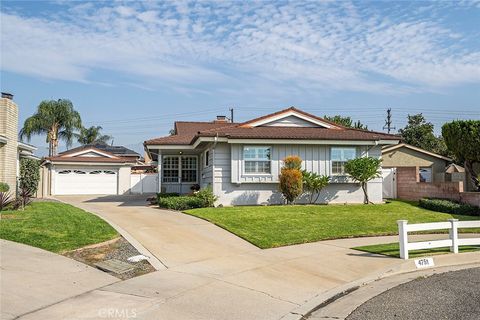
(274, 226)
(54, 226)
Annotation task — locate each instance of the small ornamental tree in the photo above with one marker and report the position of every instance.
(291, 180)
(29, 175)
(363, 170)
(313, 183)
(462, 138)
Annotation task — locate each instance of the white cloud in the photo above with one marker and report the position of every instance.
(334, 46)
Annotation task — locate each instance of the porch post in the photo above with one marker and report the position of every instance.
(159, 170)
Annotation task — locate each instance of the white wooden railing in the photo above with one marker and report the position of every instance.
(453, 241)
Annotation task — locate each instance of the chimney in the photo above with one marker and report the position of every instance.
(7, 95)
(221, 119)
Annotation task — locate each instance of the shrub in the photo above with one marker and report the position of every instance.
(180, 203)
(29, 175)
(207, 197)
(448, 206)
(4, 187)
(168, 195)
(313, 183)
(291, 184)
(5, 200)
(293, 162)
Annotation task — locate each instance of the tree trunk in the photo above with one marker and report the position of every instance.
(364, 188)
(473, 174)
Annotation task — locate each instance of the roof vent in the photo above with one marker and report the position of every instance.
(221, 119)
(7, 95)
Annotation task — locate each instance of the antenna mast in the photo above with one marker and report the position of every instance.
(388, 122)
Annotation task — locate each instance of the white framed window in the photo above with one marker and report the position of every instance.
(206, 156)
(79, 172)
(257, 159)
(96, 172)
(177, 169)
(339, 156)
(64, 172)
(189, 169)
(108, 172)
(170, 168)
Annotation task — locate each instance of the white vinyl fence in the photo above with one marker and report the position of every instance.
(453, 241)
(143, 183)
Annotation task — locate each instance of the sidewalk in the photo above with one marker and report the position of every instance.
(32, 279)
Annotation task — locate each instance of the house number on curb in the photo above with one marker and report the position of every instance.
(424, 263)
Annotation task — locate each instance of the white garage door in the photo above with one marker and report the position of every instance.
(82, 181)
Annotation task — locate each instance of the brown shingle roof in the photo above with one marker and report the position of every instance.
(298, 133)
(188, 132)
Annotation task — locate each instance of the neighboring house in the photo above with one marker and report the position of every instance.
(402, 158)
(90, 169)
(11, 150)
(242, 161)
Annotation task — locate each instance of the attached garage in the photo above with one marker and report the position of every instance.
(88, 172)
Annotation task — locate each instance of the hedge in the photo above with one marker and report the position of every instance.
(180, 203)
(167, 194)
(448, 206)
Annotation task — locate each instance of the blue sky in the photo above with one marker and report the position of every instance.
(135, 67)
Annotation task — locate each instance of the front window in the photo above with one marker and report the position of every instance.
(170, 169)
(257, 160)
(340, 156)
(176, 167)
(189, 169)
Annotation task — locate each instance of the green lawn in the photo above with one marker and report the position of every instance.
(54, 226)
(392, 249)
(274, 226)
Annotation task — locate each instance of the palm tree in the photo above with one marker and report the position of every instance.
(92, 135)
(57, 119)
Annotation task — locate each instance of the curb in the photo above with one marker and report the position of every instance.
(329, 296)
(152, 259)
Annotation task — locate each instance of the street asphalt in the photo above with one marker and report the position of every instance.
(451, 295)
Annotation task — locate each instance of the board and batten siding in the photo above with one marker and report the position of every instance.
(316, 158)
(233, 187)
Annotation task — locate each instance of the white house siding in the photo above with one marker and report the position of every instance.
(290, 121)
(234, 188)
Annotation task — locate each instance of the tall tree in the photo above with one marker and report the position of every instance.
(462, 138)
(346, 122)
(92, 135)
(57, 119)
(419, 133)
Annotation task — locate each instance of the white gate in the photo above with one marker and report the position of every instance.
(389, 182)
(144, 183)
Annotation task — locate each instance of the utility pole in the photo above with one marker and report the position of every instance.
(388, 122)
(231, 115)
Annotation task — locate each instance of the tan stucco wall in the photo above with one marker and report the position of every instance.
(404, 157)
(9, 151)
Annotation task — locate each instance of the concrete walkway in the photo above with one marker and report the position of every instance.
(212, 274)
(33, 279)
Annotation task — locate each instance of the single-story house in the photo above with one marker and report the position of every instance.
(399, 159)
(241, 162)
(11, 149)
(90, 169)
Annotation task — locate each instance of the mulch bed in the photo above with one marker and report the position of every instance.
(119, 249)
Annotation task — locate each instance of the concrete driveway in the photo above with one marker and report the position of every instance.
(212, 274)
